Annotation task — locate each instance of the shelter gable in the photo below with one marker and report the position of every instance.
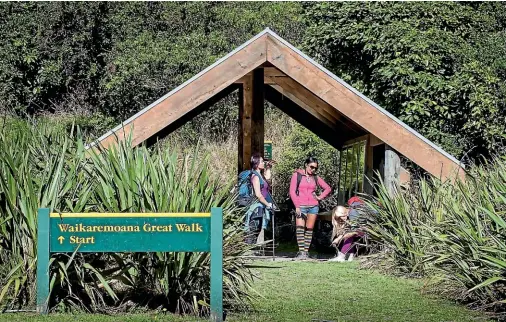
(268, 65)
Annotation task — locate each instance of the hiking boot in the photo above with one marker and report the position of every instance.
(312, 257)
(301, 255)
(339, 258)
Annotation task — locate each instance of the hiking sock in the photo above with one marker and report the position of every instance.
(308, 236)
(300, 237)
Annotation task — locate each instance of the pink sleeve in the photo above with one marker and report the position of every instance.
(326, 188)
(293, 186)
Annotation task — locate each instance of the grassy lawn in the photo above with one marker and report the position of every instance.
(316, 291)
(340, 292)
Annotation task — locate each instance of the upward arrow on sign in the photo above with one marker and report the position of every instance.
(61, 239)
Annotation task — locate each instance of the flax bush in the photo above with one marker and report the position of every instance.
(43, 168)
(452, 232)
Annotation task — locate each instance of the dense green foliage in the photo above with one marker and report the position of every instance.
(47, 168)
(455, 233)
(440, 67)
(116, 58)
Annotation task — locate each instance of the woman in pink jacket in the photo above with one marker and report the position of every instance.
(303, 188)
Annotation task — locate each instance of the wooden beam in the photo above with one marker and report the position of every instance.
(240, 132)
(318, 104)
(368, 167)
(303, 116)
(181, 101)
(404, 178)
(269, 72)
(353, 141)
(251, 118)
(363, 113)
(243, 79)
(273, 72)
(245, 127)
(191, 114)
(375, 141)
(330, 124)
(269, 81)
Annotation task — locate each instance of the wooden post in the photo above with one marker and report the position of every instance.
(43, 260)
(257, 122)
(216, 265)
(240, 133)
(245, 114)
(251, 118)
(392, 170)
(368, 168)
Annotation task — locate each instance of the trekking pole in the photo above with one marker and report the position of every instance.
(275, 207)
(273, 239)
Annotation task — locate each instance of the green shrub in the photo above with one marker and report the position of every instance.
(454, 232)
(46, 168)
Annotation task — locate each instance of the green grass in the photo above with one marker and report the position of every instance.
(305, 291)
(295, 291)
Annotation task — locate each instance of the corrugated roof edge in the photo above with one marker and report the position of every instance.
(379, 108)
(147, 108)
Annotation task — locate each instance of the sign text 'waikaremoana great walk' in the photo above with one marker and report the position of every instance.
(131, 232)
(123, 232)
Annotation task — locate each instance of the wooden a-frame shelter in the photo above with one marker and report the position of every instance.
(268, 67)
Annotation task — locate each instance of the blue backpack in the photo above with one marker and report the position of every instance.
(245, 188)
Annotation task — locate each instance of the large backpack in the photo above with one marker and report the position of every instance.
(245, 188)
(299, 179)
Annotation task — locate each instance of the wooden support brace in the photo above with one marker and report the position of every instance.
(356, 140)
(404, 178)
(392, 170)
(304, 115)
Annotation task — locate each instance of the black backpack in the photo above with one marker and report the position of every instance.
(299, 179)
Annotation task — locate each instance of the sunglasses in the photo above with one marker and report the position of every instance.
(313, 168)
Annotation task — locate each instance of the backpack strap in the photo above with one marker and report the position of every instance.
(254, 172)
(299, 179)
(315, 177)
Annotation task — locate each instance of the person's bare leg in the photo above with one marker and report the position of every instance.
(308, 236)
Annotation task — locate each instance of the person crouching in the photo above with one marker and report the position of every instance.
(343, 237)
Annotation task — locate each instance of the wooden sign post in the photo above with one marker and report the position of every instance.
(131, 232)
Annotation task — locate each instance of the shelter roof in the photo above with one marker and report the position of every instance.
(334, 109)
